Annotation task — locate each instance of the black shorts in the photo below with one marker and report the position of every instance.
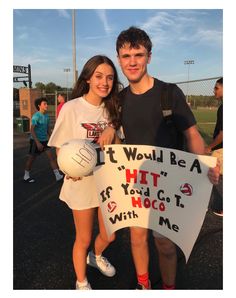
(33, 150)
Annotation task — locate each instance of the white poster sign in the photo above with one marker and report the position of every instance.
(157, 188)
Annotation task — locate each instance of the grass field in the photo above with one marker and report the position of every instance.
(206, 119)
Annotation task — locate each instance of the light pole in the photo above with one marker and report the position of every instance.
(66, 70)
(188, 62)
(74, 48)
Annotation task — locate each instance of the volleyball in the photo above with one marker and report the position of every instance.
(77, 158)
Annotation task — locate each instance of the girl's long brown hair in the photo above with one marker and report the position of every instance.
(111, 102)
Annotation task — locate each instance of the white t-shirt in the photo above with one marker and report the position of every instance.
(79, 119)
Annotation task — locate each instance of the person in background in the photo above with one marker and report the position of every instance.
(40, 131)
(61, 100)
(93, 108)
(216, 149)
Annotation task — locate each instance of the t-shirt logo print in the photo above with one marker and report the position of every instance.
(94, 130)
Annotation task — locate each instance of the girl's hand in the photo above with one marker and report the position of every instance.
(74, 179)
(106, 137)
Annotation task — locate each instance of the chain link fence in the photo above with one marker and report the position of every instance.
(199, 93)
(200, 97)
(52, 104)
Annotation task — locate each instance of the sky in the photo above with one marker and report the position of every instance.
(43, 39)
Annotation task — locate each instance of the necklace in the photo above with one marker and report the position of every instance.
(91, 102)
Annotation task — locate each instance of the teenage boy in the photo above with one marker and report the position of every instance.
(143, 124)
(38, 140)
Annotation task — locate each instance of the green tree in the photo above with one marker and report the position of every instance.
(40, 86)
(50, 87)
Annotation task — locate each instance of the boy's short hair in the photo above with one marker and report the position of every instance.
(61, 94)
(38, 101)
(220, 81)
(135, 37)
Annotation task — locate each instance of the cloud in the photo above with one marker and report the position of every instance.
(17, 12)
(103, 17)
(159, 20)
(209, 36)
(174, 26)
(33, 59)
(23, 36)
(157, 27)
(64, 13)
(97, 37)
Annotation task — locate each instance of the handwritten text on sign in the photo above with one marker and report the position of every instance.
(157, 188)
